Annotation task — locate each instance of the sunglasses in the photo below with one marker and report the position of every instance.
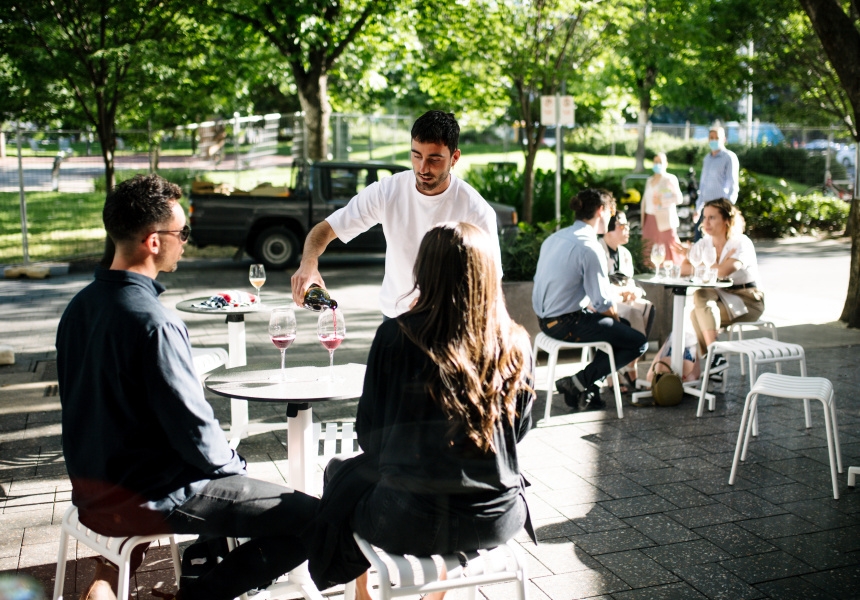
(184, 233)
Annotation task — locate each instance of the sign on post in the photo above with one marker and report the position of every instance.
(556, 111)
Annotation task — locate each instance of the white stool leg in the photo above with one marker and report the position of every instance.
(828, 427)
(550, 381)
(349, 591)
(741, 436)
(123, 581)
(704, 389)
(835, 432)
(616, 386)
(806, 412)
(852, 475)
(61, 565)
(750, 426)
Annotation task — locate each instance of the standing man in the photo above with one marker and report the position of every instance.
(408, 205)
(144, 452)
(573, 298)
(720, 176)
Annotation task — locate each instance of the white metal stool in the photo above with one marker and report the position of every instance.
(116, 549)
(411, 575)
(552, 346)
(852, 473)
(208, 359)
(799, 388)
(766, 326)
(759, 351)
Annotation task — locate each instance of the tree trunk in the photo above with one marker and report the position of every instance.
(840, 38)
(107, 137)
(529, 183)
(645, 84)
(313, 96)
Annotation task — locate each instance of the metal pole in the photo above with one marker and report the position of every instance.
(557, 161)
(23, 198)
(236, 145)
(750, 99)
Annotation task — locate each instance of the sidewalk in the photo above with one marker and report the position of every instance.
(638, 508)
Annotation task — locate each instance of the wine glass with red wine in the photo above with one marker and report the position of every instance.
(331, 329)
(282, 329)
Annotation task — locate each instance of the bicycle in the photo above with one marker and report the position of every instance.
(830, 190)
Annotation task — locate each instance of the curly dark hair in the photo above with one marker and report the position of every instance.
(586, 203)
(138, 204)
(437, 127)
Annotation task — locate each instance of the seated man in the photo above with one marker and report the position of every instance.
(573, 299)
(628, 297)
(144, 452)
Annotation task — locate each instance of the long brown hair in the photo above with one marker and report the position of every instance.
(467, 332)
(728, 212)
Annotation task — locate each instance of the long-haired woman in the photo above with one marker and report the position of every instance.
(447, 396)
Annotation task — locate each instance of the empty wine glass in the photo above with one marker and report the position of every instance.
(709, 256)
(694, 255)
(658, 254)
(282, 329)
(257, 277)
(331, 329)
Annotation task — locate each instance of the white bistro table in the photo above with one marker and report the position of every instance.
(240, 427)
(679, 287)
(305, 386)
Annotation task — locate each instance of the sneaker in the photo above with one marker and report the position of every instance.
(595, 401)
(718, 364)
(588, 399)
(568, 388)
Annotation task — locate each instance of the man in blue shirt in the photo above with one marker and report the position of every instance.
(144, 452)
(572, 298)
(720, 175)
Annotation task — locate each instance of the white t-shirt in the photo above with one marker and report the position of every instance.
(406, 215)
(744, 252)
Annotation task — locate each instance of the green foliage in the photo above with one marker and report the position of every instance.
(181, 177)
(792, 163)
(772, 211)
(520, 254)
(595, 140)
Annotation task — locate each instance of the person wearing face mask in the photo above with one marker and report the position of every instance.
(659, 215)
(719, 176)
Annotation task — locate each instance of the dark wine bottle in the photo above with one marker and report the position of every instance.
(317, 298)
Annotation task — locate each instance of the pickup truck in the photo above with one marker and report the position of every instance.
(272, 228)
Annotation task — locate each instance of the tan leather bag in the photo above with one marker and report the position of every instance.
(667, 388)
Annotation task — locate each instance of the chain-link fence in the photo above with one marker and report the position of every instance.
(57, 177)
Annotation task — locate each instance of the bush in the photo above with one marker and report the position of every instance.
(599, 141)
(520, 254)
(772, 211)
(181, 177)
(793, 163)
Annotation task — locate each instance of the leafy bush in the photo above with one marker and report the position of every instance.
(775, 211)
(600, 141)
(520, 254)
(793, 163)
(181, 177)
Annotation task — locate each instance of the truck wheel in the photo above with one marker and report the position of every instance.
(277, 248)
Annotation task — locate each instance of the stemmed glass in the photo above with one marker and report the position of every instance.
(658, 254)
(709, 257)
(282, 329)
(331, 329)
(257, 277)
(694, 255)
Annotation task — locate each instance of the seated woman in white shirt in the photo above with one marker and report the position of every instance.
(736, 258)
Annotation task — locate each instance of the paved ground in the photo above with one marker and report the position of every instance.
(624, 509)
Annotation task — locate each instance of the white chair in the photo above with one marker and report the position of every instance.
(411, 575)
(552, 346)
(852, 473)
(759, 351)
(208, 359)
(799, 388)
(116, 549)
(765, 326)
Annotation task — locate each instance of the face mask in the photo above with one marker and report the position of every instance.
(714, 144)
(659, 168)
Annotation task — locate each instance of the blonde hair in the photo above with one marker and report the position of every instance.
(481, 355)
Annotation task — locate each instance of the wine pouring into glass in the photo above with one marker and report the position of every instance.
(282, 329)
(331, 330)
(257, 277)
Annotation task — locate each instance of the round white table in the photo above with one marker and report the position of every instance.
(679, 287)
(262, 382)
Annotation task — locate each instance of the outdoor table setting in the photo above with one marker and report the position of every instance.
(671, 278)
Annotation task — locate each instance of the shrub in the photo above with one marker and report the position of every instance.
(520, 254)
(181, 177)
(792, 163)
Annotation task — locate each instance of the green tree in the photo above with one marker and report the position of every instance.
(838, 27)
(311, 35)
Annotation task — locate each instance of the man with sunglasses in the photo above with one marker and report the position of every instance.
(144, 452)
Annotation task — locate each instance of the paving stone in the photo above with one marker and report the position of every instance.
(618, 486)
(583, 584)
(760, 475)
(778, 526)
(617, 540)
(823, 515)
(694, 552)
(681, 495)
(841, 583)
(792, 588)
(823, 550)
(638, 505)
(559, 527)
(767, 567)
(661, 529)
(702, 516)
(636, 569)
(749, 505)
(717, 583)
(510, 591)
(735, 540)
(592, 517)
(583, 494)
(658, 476)
(673, 591)
(561, 556)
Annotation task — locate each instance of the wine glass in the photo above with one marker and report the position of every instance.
(694, 255)
(658, 254)
(709, 256)
(331, 329)
(282, 329)
(257, 277)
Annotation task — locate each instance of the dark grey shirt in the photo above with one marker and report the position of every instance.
(137, 430)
